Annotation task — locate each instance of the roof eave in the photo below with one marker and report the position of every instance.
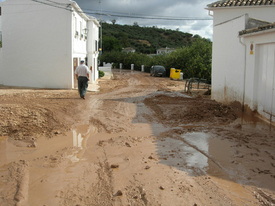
(94, 20)
(79, 10)
(238, 7)
(257, 30)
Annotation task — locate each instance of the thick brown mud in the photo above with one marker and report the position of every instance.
(140, 140)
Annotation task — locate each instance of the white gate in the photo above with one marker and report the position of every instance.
(266, 92)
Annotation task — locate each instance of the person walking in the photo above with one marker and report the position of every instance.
(82, 75)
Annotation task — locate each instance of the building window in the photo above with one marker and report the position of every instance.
(96, 47)
(80, 30)
(75, 23)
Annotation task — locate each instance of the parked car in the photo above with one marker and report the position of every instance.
(158, 70)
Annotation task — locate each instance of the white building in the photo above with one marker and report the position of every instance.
(243, 68)
(44, 41)
(165, 50)
(129, 50)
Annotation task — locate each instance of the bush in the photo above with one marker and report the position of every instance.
(193, 60)
(101, 74)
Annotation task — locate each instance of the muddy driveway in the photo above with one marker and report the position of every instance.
(138, 141)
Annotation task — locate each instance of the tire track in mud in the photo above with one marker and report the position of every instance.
(116, 110)
(16, 184)
(22, 179)
(113, 116)
(89, 190)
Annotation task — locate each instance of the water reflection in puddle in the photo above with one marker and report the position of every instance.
(11, 150)
(197, 145)
(194, 152)
(199, 153)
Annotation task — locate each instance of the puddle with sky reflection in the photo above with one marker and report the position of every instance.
(10, 151)
(199, 153)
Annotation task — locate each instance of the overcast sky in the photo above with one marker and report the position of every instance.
(149, 12)
(154, 9)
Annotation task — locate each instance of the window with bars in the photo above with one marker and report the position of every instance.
(96, 46)
(75, 23)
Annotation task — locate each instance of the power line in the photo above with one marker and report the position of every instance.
(111, 13)
(140, 16)
(148, 17)
(121, 14)
(52, 5)
(58, 3)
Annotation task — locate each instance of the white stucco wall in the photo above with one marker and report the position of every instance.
(85, 48)
(228, 61)
(36, 48)
(39, 43)
(79, 42)
(92, 47)
(1, 67)
(256, 75)
(228, 53)
(1, 60)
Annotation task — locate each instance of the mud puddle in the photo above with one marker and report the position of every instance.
(11, 150)
(202, 154)
(194, 152)
(248, 121)
(49, 166)
(199, 153)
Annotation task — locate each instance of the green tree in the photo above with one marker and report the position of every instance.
(194, 60)
(197, 59)
(123, 38)
(113, 21)
(110, 44)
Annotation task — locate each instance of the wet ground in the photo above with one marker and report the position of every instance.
(139, 140)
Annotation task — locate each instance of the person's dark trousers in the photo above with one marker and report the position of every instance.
(82, 86)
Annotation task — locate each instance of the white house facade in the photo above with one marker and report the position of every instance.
(165, 50)
(44, 41)
(238, 74)
(259, 69)
(129, 50)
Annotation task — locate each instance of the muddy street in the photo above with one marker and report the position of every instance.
(139, 140)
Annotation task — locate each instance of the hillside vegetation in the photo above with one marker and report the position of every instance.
(143, 39)
(193, 53)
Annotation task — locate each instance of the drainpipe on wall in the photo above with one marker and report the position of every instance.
(242, 43)
(271, 113)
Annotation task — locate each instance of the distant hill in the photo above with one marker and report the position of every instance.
(144, 39)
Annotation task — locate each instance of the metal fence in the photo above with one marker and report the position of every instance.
(196, 84)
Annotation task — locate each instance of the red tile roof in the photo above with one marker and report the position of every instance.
(235, 3)
(257, 29)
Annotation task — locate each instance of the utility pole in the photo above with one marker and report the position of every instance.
(156, 45)
(100, 28)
